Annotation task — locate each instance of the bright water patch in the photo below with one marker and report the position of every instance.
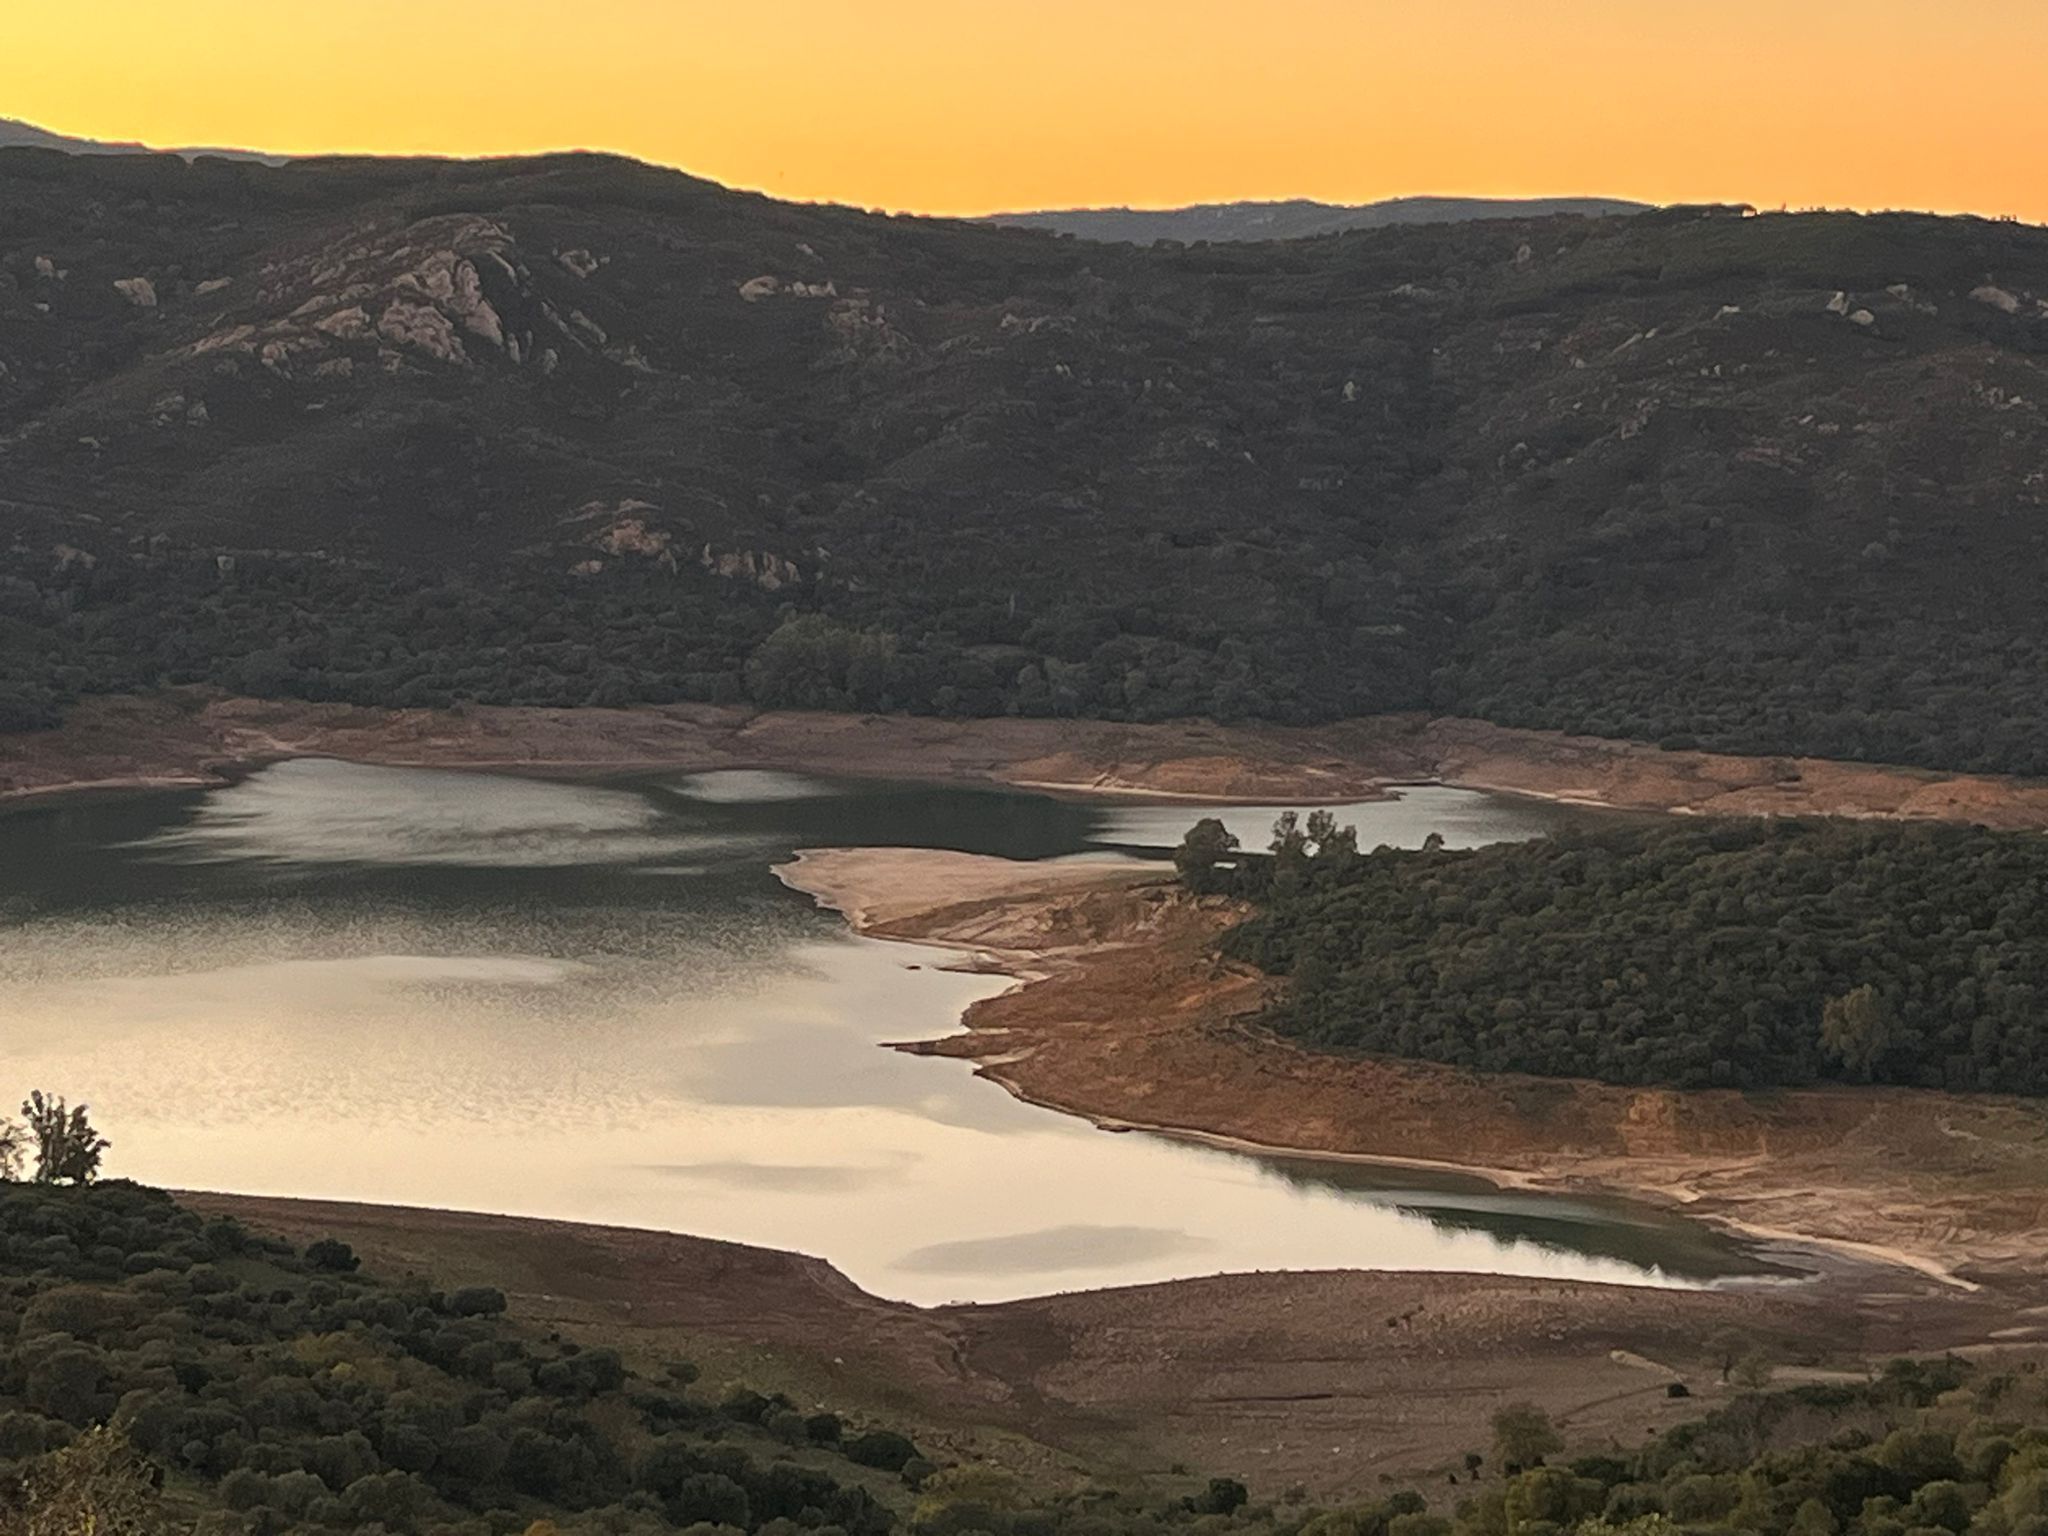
(313, 811)
(752, 786)
(594, 1002)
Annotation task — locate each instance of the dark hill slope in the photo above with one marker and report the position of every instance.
(574, 428)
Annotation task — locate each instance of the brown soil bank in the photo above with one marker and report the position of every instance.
(192, 738)
(1327, 1380)
(1128, 1018)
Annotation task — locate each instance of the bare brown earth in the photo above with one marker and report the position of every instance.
(191, 737)
(1127, 1017)
(1330, 1380)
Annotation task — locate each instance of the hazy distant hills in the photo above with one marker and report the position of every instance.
(20, 135)
(575, 429)
(1298, 219)
(1213, 221)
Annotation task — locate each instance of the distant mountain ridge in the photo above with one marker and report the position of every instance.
(15, 134)
(1300, 218)
(1292, 219)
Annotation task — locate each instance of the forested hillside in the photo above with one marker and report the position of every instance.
(575, 429)
(1737, 954)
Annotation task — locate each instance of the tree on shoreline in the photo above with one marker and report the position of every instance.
(1208, 844)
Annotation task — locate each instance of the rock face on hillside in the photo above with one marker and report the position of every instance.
(1770, 484)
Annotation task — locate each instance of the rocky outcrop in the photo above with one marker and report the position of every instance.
(755, 290)
(627, 531)
(139, 291)
(862, 331)
(351, 324)
(422, 328)
(433, 293)
(770, 572)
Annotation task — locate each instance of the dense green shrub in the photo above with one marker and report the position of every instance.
(300, 1391)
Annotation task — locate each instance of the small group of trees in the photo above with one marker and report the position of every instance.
(1210, 858)
(58, 1139)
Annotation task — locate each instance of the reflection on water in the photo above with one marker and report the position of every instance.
(315, 812)
(1055, 1250)
(751, 786)
(594, 1002)
(1600, 1228)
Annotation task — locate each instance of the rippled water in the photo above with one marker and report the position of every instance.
(594, 1002)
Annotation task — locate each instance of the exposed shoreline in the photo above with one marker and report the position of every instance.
(1121, 1016)
(837, 879)
(192, 739)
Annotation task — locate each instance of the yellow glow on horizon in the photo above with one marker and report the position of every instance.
(968, 106)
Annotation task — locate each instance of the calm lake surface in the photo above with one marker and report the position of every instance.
(596, 1003)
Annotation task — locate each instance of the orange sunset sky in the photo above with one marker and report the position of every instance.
(966, 106)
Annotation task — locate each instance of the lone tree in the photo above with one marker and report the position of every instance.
(1754, 1370)
(1335, 844)
(1725, 1347)
(1523, 1435)
(1208, 844)
(68, 1149)
(1289, 849)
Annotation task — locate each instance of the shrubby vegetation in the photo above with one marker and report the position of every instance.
(1925, 1448)
(293, 1392)
(1722, 954)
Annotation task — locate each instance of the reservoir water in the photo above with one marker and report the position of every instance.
(595, 1002)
